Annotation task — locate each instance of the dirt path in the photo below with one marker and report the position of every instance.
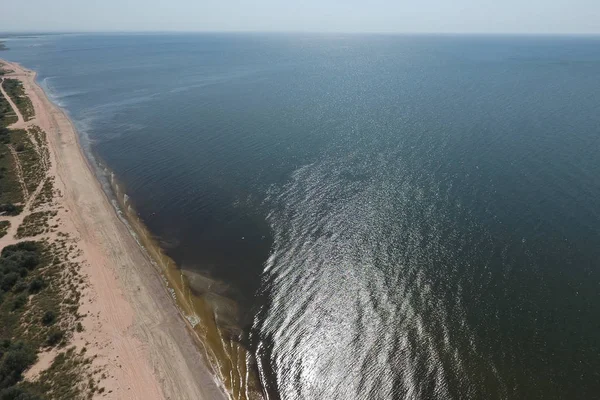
(19, 169)
(20, 124)
(134, 327)
(20, 120)
(17, 220)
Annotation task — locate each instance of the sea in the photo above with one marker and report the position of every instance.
(393, 216)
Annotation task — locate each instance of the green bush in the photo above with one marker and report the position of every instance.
(10, 209)
(25, 246)
(19, 287)
(22, 258)
(54, 337)
(19, 301)
(14, 359)
(36, 285)
(8, 281)
(15, 263)
(49, 318)
(18, 393)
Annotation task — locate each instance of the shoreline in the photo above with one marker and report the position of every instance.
(208, 316)
(140, 335)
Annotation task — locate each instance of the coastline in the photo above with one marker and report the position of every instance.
(134, 328)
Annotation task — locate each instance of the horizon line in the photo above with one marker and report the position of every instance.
(399, 33)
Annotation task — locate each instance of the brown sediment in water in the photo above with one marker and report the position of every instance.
(202, 301)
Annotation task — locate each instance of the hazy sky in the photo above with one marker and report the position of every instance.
(489, 16)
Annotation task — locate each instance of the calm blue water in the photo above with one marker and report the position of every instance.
(399, 217)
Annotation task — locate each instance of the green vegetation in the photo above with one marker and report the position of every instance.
(4, 135)
(35, 224)
(14, 88)
(7, 115)
(31, 162)
(39, 300)
(33, 155)
(38, 136)
(10, 209)
(4, 71)
(46, 194)
(59, 379)
(11, 193)
(15, 358)
(4, 226)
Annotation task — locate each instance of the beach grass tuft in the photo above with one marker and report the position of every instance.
(35, 224)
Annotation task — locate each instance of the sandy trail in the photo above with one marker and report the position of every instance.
(19, 170)
(20, 120)
(133, 326)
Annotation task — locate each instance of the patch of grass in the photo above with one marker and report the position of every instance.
(37, 277)
(46, 194)
(55, 337)
(11, 193)
(4, 134)
(35, 224)
(4, 226)
(7, 115)
(18, 265)
(14, 88)
(52, 292)
(49, 318)
(33, 154)
(31, 162)
(63, 380)
(40, 137)
(3, 69)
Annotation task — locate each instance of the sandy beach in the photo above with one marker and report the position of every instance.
(142, 343)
